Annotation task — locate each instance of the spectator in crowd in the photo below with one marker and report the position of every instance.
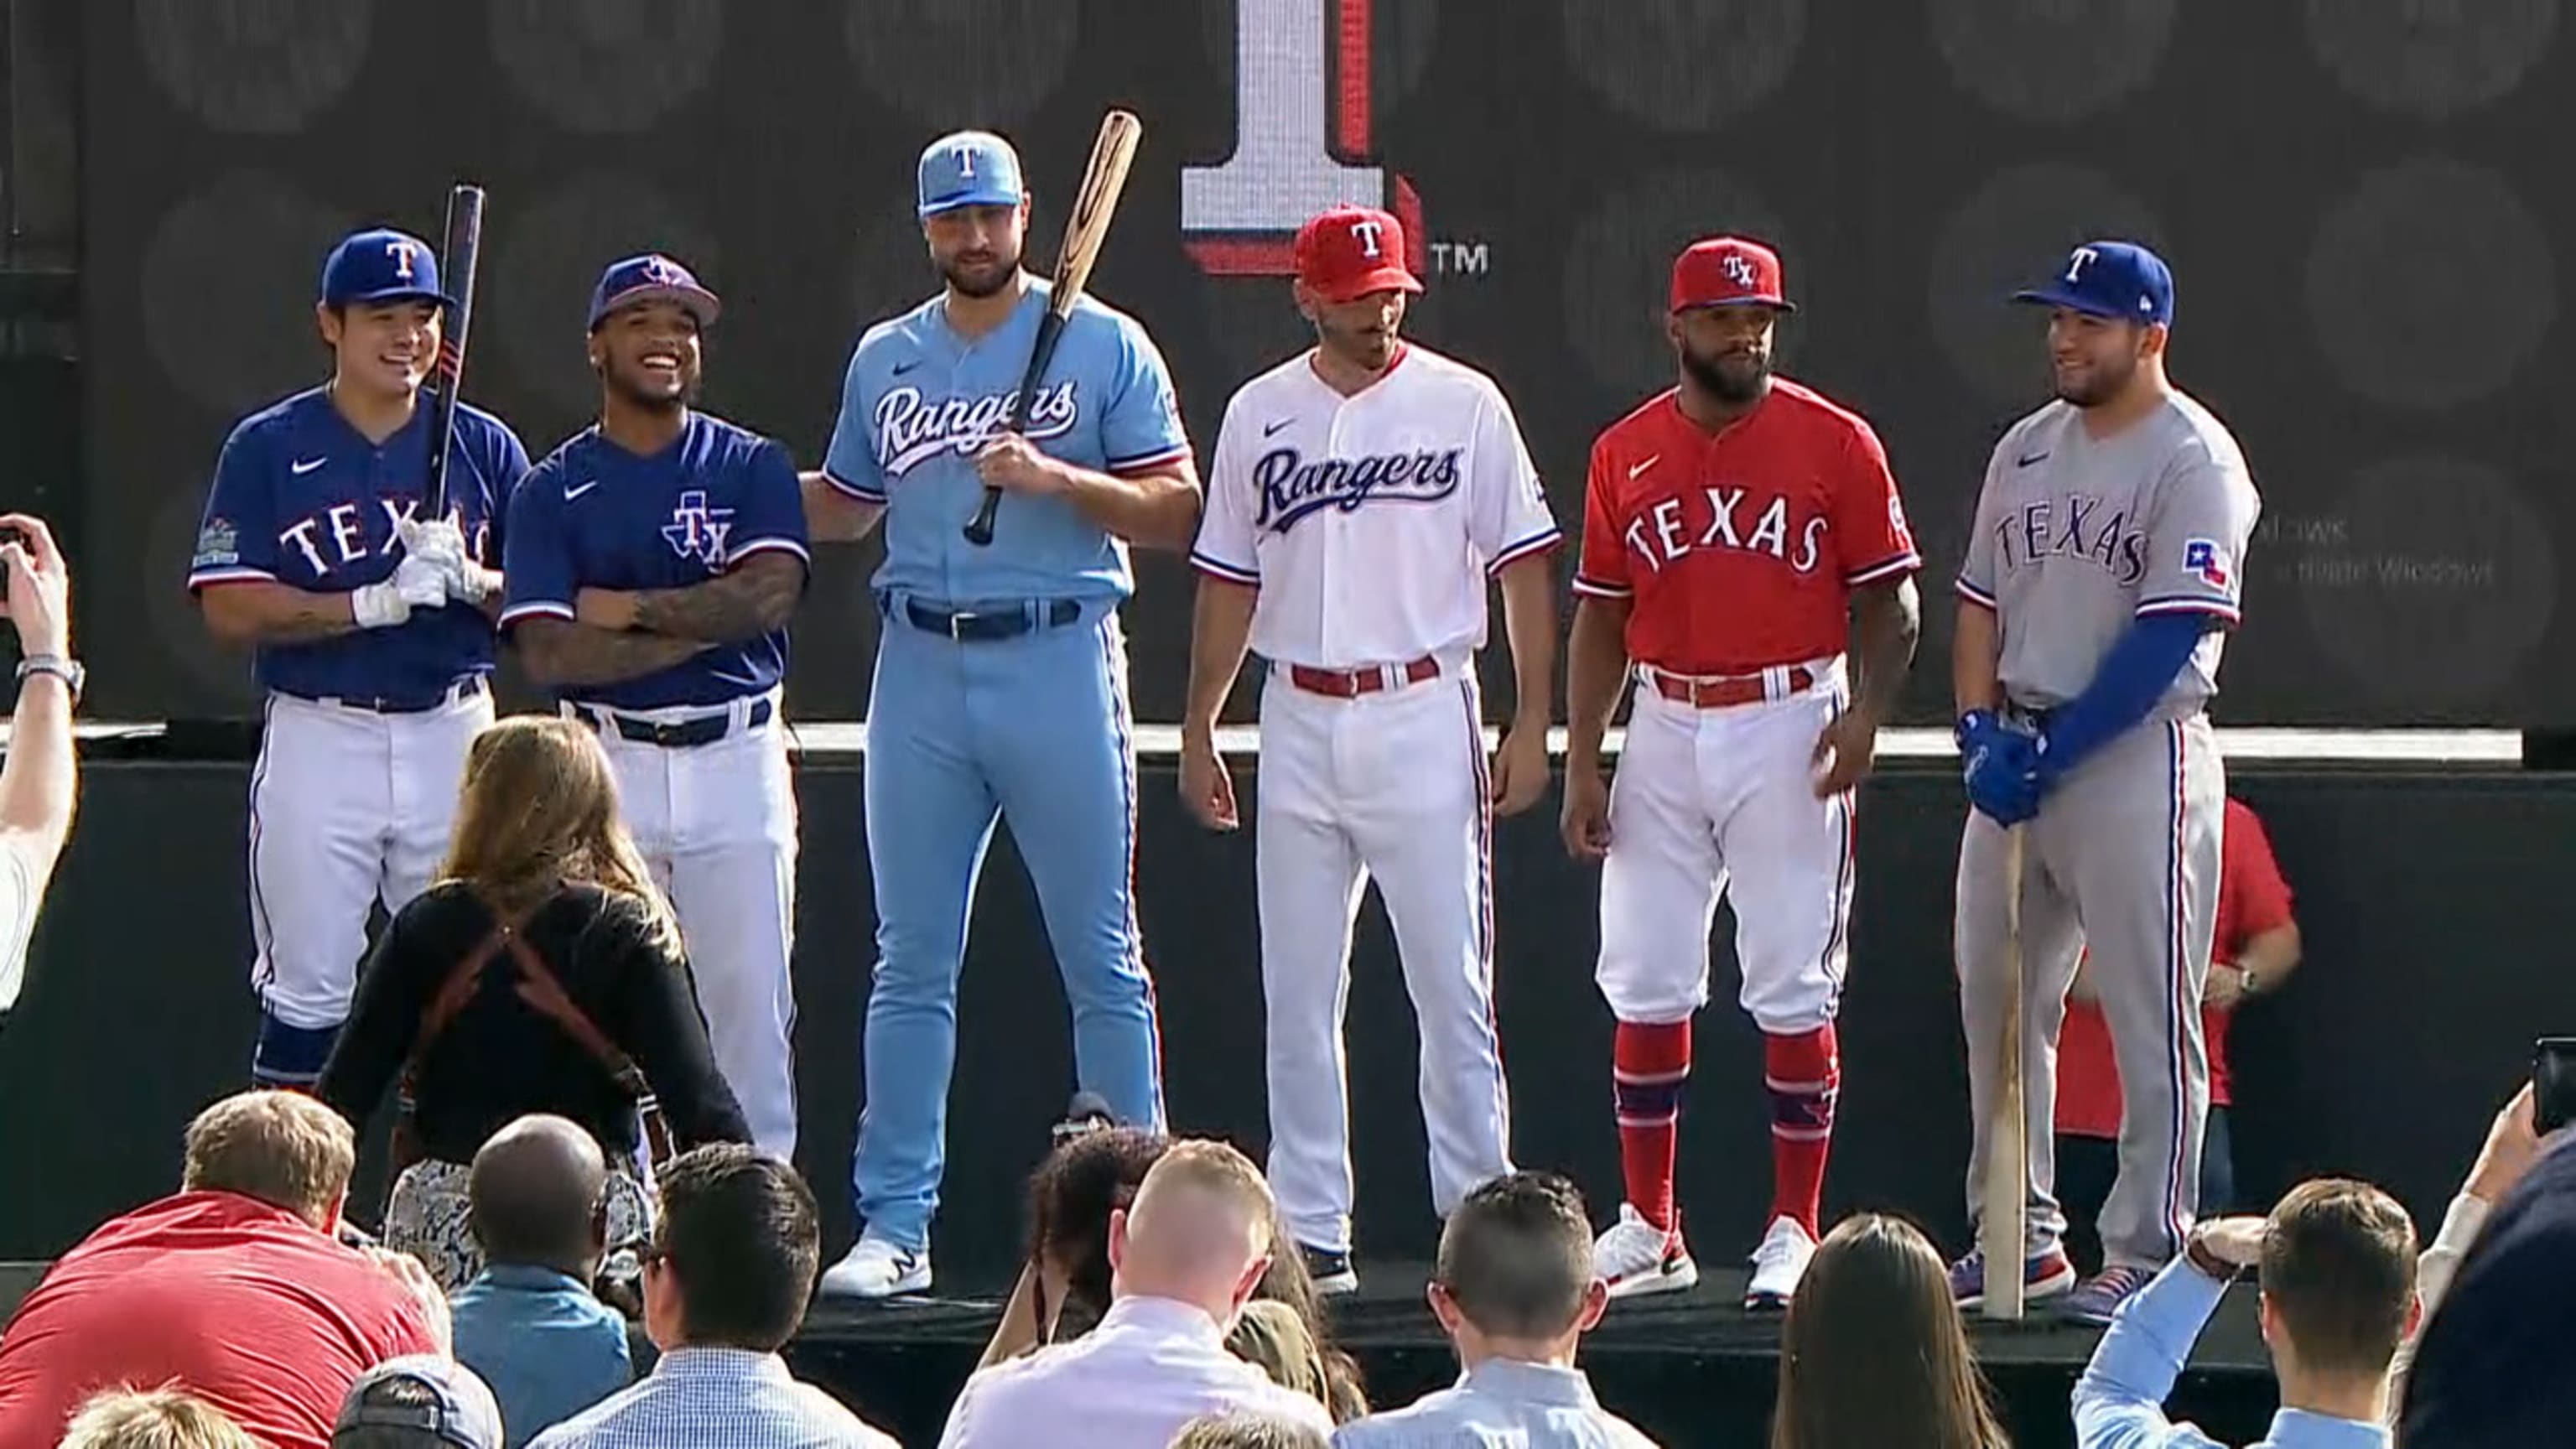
(418, 1403)
(234, 1289)
(2256, 949)
(40, 777)
(1513, 1288)
(727, 1278)
(1270, 1336)
(1238, 1430)
(2499, 1294)
(158, 1419)
(2338, 1272)
(1874, 1354)
(1184, 1259)
(543, 973)
(529, 1323)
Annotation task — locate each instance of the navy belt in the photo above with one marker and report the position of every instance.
(983, 625)
(677, 735)
(457, 693)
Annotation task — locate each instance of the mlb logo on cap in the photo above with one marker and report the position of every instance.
(970, 168)
(1728, 271)
(652, 277)
(381, 265)
(1351, 251)
(2113, 279)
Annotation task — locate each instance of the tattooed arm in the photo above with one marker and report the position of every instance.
(747, 600)
(559, 652)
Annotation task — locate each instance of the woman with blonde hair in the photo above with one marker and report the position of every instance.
(1874, 1354)
(542, 973)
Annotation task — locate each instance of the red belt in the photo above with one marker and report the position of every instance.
(1736, 689)
(1352, 683)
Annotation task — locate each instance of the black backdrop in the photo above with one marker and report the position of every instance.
(2361, 198)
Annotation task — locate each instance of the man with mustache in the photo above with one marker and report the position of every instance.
(1737, 529)
(1001, 675)
(654, 559)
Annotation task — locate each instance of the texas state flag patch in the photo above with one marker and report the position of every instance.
(2203, 558)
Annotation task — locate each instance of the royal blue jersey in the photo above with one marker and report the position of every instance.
(302, 498)
(594, 515)
(918, 403)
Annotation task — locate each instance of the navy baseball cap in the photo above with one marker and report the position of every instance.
(651, 277)
(2113, 279)
(969, 168)
(450, 1405)
(381, 265)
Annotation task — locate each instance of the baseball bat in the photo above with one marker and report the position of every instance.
(457, 251)
(1999, 1229)
(1093, 205)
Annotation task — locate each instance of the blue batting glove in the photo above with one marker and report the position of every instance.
(2002, 775)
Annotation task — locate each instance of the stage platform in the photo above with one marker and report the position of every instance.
(1690, 1369)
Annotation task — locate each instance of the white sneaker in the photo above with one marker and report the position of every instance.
(876, 1268)
(1635, 1257)
(1778, 1264)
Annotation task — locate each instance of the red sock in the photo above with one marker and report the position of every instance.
(1803, 1073)
(1648, 1066)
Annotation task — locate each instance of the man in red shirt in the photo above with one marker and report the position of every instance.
(1739, 532)
(234, 1290)
(2256, 948)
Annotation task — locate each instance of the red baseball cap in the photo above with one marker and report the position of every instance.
(1350, 251)
(1727, 271)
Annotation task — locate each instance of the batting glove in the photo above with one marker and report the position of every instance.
(441, 542)
(421, 582)
(378, 605)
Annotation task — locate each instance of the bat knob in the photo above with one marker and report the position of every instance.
(979, 529)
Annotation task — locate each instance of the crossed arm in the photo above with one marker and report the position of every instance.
(617, 635)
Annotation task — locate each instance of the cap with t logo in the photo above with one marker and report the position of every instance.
(2109, 279)
(1350, 251)
(381, 265)
(969, 168)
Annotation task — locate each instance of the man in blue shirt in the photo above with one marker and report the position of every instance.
(370, 629)
(529, 1323)
(654, 559)
(2338, 1271)
(1001, 678)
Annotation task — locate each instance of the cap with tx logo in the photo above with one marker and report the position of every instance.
(2115, 279)
(651, 277)
(1728, 271)
(1350, 251)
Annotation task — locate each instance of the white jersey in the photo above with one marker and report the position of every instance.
(1370, 523)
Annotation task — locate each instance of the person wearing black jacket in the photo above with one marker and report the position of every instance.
(542, 973)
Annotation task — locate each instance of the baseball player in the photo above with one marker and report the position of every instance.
(2105, 567)
(654, 559)
(1737, 530)
(369, 630)
(1363, 494)
(1001, 677)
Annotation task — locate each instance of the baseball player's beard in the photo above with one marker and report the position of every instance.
(1728, 384)
(2099, 384)
(989, 278)
(649, 395)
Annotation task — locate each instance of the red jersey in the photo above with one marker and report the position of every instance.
(2252, 899)
(240, 1302)
(1740, 548)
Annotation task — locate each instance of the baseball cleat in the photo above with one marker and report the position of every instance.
(2097, 1298)
(1635, 1257)
(876, 1268)
(2044, 1275)
(1778, 1264)
(1331, 1271)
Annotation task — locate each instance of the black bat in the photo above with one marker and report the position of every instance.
(456, 255)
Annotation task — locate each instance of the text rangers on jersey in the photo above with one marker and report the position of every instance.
(2104, 570)
(1361, 497)
(1736, 530)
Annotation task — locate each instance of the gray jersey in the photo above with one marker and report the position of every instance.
(2076, 536)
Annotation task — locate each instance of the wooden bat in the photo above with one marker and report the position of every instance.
(456, 256)
(1093, 205)
(1999, 1227)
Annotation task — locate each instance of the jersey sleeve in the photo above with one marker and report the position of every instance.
(1875, 541)
(2197, 529)
(1228, 543)
(237, 537)
(1977, 571)
(1508, 515)
(507, 459)
(850, 463)
(536, 560)
(1140, 429)
(769, 517)
(1601, 569)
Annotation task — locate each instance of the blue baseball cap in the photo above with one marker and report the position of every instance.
(969, 168)
(381, 265)
(652, 277)
(2114, 279)
(449, 1405)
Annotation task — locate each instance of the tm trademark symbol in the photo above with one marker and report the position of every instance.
(1460, 259)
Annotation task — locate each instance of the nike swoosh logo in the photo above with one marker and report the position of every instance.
(572, 493)
(1274, 427)
(1636, 469)
(901, 368)
(299, 469)
(2024, 462)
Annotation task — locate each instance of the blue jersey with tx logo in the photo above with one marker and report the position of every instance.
(594, 515)
(303, 498)
(919, 402)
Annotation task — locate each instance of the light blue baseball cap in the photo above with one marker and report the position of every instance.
(969, 168)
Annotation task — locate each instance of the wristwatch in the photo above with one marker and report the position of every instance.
(69, 671)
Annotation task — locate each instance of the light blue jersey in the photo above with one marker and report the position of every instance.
(920, 401)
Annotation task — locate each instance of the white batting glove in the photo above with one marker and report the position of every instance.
(421, 582)
(441, 542)
(379, 605)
